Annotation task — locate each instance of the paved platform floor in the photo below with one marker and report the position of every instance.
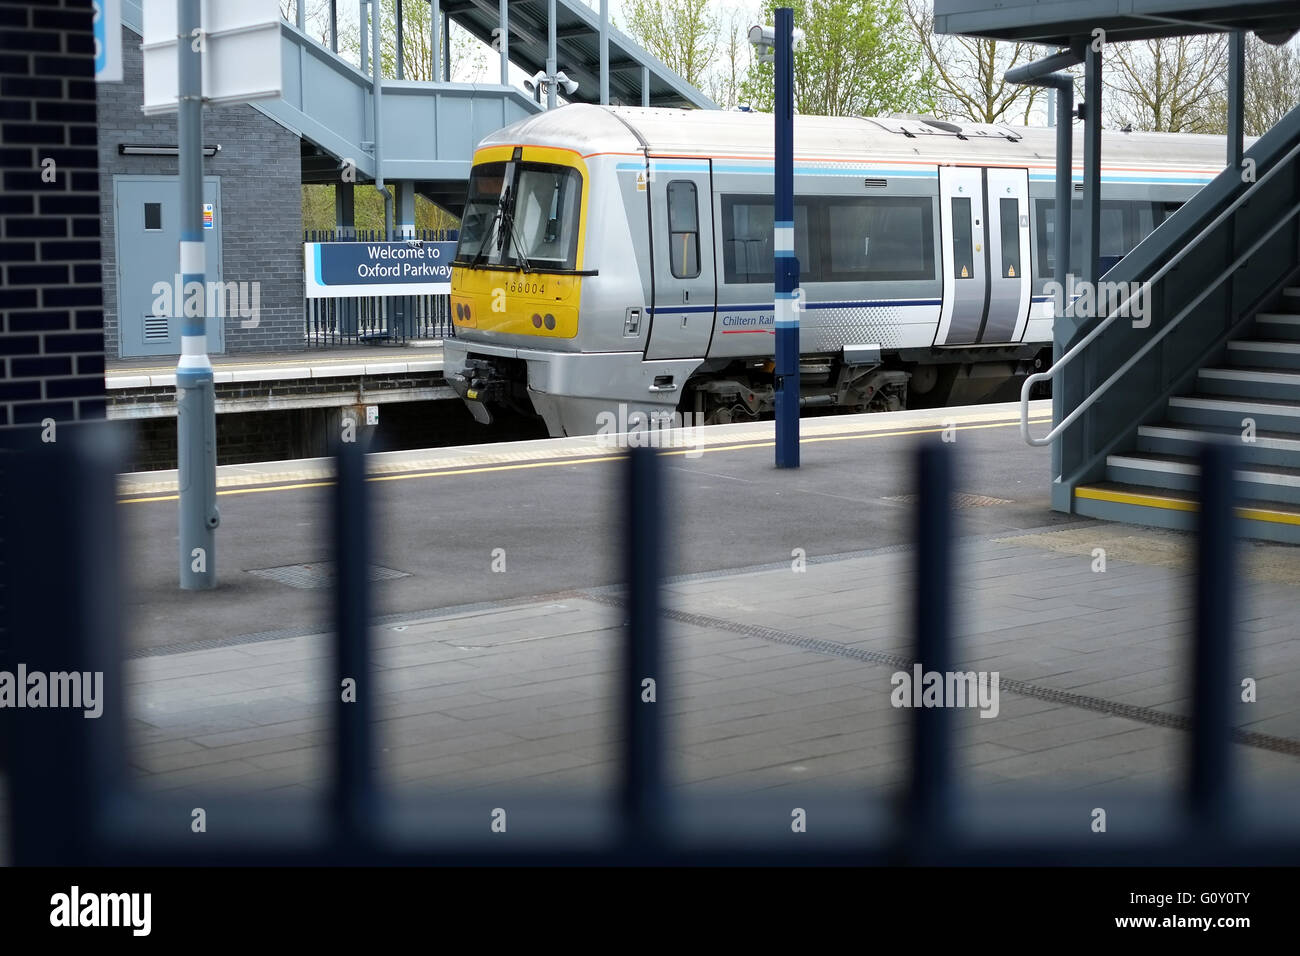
(420, 355)
(777, 679)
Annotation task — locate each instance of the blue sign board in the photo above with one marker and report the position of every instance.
(377, 268)
(107, 27)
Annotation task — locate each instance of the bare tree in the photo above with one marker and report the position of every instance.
(733, 59)
(967, 73)
(1168, 85)
(1272, 83)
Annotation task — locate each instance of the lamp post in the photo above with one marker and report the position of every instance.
(785, 267)
(196, 420)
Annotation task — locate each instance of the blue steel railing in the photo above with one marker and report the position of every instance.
(361, 320)
(72, 801)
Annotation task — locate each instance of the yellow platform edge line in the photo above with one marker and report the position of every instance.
(135, 498)
(1180, 504)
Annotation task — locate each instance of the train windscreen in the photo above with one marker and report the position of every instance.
(521, 215)
(481, 222)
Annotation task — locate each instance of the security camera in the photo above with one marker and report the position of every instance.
(569, 86)
(763, 40)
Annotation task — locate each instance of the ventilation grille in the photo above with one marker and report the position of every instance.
(155, 328)
(873, 183)
(1078, 187)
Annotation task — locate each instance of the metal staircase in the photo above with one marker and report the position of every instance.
(1218, 358)
(1251, 396)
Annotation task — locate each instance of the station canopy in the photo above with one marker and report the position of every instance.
(1059, 22)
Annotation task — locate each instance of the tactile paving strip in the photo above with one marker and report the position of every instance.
(958, 500)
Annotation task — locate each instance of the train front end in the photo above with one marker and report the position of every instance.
(516, 281)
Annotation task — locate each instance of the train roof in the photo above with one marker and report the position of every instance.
(591, 129)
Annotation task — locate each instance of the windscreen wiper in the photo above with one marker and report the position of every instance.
(523, 259)
(487, 239)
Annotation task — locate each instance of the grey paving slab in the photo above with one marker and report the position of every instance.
(525, 691)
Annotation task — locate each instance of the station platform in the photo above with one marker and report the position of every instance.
(273, 381)
(496, 572)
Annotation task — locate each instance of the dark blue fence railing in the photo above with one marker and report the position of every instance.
(73, 804)
(362, 320)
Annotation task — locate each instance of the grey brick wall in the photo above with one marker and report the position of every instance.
(51, 347)
(261, 202)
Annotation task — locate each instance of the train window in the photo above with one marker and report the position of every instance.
(1160, 211)
(748, 243)
(479, 222)
(545, 217)
(963, 260)
(1124, 224)
(683, 230)
(880, 239)
(1009, 227)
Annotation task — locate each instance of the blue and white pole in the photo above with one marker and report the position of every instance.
(196, 420)
(786, 266)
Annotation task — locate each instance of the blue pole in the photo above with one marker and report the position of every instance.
(786, 267)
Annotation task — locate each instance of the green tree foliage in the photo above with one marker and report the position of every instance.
(368, 209)
(684, 34)
(858, 57)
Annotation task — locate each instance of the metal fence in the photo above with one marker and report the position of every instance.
(72, 802)
(363, 320)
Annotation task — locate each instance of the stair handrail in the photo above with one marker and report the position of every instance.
(1119, 311)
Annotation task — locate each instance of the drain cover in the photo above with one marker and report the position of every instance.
(318, 575)
(958, 501)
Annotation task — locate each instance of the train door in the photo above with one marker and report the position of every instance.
(681, 231)
(961, 203)
(984, 224)
(1007, 200)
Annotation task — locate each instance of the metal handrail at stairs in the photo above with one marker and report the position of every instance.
(1122, 310)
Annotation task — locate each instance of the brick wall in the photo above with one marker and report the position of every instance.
(261, 201)
(51, 343)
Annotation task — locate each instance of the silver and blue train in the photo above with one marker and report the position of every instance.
(616, 261)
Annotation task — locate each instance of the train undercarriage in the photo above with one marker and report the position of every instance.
(725, 391)
(745, 391)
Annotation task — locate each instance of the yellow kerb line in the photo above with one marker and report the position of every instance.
(552, 463)
(1180, 504)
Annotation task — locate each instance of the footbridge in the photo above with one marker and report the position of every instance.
(418, 136)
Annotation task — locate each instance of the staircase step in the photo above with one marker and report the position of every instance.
(1264, 353)
(1272, 449)
(1181, 473)
(1135, 504)
(1229, 413)
(1278, 325)
(1250, 382)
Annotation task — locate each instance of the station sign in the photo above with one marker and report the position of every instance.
(339, 269)
(240, 44)
(108, 40)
